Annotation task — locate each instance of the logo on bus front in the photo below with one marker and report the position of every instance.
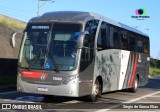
(44, 76)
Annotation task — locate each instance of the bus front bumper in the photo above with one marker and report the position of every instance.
(70, 89)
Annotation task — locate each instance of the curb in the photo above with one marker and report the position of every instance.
(154, 76)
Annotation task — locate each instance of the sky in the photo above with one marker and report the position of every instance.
(118, 10)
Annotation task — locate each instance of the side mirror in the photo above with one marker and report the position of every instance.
(12, 38)
(85, 33)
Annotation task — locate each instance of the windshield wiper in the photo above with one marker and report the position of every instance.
(54, 63)
(51, 57)
(36, 58)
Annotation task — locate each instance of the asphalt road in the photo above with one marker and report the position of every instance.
(146, 98)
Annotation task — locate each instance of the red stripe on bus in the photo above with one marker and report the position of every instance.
(32, 74)
(134, 71)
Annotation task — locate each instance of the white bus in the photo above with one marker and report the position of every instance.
(74, 54)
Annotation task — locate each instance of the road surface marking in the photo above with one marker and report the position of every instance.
(130, 101)
(154, 96)
(150, 102)
(143, 97)
(67, 102)
(70, 102)
(29, 98)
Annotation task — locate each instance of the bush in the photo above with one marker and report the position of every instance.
(154, 71)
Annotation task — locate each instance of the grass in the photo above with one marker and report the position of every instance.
(13, 24)
(8, 79)
(154, 71)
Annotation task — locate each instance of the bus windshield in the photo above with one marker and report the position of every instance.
(50, 46)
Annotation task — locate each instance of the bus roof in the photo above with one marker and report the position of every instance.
(77, 16)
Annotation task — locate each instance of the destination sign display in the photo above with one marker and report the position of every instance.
(40, 27)
(34, 27)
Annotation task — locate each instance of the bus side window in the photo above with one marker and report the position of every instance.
(103, 37)
(146, 46)
(139, 44)
(132, 44)
(88, 44)
(145, 49)
(85, 54)
(114, 38)
(85, 50)
(124, 42)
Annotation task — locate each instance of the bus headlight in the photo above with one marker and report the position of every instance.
(69, 78)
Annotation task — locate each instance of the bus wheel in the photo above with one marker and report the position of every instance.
(96, 91)
(135, 85)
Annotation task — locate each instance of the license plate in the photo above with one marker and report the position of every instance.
(44, 89)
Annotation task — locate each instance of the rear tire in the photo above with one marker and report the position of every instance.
(135, 85)
(97, 92)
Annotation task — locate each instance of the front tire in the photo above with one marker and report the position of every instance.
(97, 91)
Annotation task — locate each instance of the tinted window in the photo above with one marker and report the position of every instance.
(146, 46)
(85, 56)
(124, 39)
(49, 48)
(139, 44)
(114, 38)
(88, 44)
(103, 37)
